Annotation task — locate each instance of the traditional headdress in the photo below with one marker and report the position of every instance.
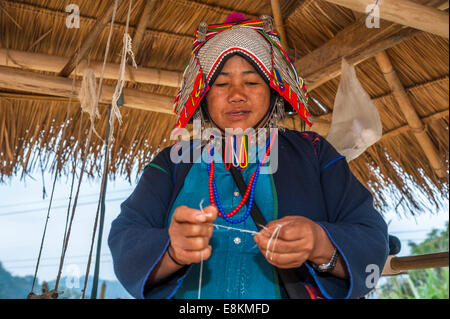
(259, 43)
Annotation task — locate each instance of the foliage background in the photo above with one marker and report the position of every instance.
(430, 283)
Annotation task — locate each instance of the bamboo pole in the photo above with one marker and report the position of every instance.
(410, 114)
(27, 81)
(406, 13)
(356, 44)
(435, 260)
(142, 25)
(279, 25)
(90, 39)
(52, 63)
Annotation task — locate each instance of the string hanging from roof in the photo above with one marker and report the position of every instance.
(89, 103)
(113, 113)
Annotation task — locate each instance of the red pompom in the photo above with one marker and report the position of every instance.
(235, 17)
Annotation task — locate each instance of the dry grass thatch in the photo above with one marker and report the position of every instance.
(31, 127)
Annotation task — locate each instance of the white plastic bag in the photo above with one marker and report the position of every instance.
(355, 123)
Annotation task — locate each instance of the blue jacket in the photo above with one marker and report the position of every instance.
(313, 180)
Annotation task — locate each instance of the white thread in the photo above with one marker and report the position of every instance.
(201, 275)
(237, 229)
(274, 234)
(127, 50)
(201, 261)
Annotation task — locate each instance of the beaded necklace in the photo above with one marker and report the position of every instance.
(214, 197)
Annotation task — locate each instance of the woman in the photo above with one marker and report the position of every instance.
(323, 230)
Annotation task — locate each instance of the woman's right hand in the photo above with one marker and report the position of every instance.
(190, 231)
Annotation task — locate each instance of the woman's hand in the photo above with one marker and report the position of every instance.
(299, 239)
(190, 231)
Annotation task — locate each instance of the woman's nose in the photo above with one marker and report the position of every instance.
(237, 93)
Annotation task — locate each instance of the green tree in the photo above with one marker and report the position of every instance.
(423, 283)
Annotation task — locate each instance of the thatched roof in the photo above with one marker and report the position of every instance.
(31, 120)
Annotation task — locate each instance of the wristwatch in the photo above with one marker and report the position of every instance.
(329, 266)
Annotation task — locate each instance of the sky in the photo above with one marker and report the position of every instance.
(23, 211)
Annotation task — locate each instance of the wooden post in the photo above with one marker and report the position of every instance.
(102, 291)
(279, 25)
(90, 40)
(406, 13)
(411, 116)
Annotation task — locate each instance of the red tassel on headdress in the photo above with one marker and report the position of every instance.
(235, 17)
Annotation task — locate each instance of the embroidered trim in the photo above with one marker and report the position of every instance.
(332, 162)
(157, 166)
(314, 138)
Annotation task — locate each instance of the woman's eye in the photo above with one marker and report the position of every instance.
(221, 84)
(252, 83)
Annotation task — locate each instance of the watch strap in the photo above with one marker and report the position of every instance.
(328, 266)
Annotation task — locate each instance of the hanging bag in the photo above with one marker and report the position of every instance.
(355, 123)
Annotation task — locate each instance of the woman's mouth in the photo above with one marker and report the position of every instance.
(238, 115)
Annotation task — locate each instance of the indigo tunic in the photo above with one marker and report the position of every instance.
(312, 180)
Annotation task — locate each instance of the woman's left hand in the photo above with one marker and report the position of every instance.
(299, 239)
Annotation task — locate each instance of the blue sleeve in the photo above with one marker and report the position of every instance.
(354, 226)
(139, 235)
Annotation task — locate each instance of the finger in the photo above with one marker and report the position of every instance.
(282, 221)
(284, 259)
(292, 232)
(184, 214)
(210, 213)
(197, 230)
(273, 227)
(190, 257)
(193, 243)
(280, 245)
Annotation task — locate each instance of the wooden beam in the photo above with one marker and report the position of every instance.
(90, 39)
(27, 81)
(279, 24)
(142, 25)
(51, 63)
(356, 43)
(406, 13)
(410, 114)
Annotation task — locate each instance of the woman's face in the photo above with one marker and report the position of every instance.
(239, 97)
